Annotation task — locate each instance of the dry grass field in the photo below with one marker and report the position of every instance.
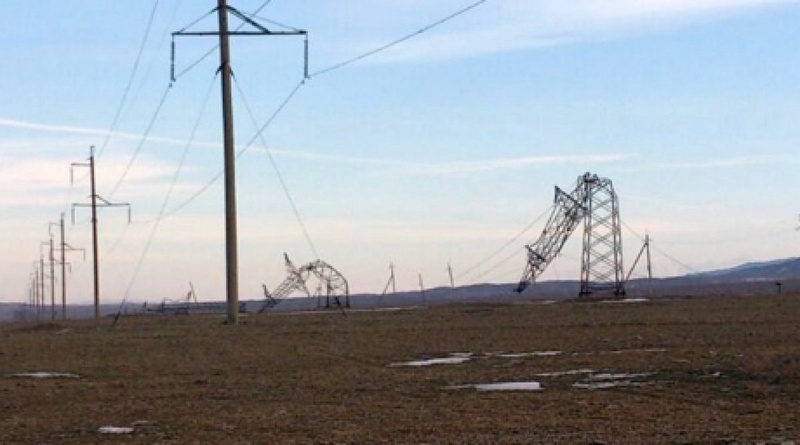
(705, 370)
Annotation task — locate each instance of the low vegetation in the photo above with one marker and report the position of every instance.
(706, 370)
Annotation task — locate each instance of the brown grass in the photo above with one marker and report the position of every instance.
(720, 370)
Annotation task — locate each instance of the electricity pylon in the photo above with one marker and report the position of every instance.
(593, 202)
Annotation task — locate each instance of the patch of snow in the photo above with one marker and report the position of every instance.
(565, 373)
(629, 351)
(454, 359)
(627, 301)
(46, 375)
(605, 384)
(528, 354)
(504, 386)
(115, 430)
(620, 376)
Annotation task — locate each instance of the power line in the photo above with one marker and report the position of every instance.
(130, 79)
(146, 134)
(666, 255)
(275, 165)
(396, 42)
(219, 174)
(175, 177)
(300, 84)
(504, 246)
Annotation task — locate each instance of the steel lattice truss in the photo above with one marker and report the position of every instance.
(601, 262)
(331, 284)
(594, 202)
(568, 210)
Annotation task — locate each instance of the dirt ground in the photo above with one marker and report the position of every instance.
(705, 370)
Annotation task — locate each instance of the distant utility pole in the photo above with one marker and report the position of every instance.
(94, 197)
(645, 248)
(52, 281)
(41, 282)
(63, 249)
(231, 247)
(391, 280)
(450, 273)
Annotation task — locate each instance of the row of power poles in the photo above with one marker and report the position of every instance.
(38, 294)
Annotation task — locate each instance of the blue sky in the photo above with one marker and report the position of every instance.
(440, 149)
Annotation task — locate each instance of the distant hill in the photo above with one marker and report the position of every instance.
(774, 270)
(755, 278)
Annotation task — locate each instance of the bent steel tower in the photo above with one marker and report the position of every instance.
(594, 201)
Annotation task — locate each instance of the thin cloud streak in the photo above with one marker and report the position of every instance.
(518, 26)
(733, 162)
(407, 167)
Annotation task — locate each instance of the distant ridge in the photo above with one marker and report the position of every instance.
(753, 278)
(786, 268)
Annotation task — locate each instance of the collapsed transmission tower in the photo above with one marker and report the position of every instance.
(593, 202)
(331, 284)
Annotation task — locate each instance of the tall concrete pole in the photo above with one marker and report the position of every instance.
(63, 273)
(52, 281)
(95, 258)
(232, 279)
(41, 283)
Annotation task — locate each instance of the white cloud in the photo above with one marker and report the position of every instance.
(498, 26)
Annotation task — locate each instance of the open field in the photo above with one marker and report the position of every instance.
(711, 370)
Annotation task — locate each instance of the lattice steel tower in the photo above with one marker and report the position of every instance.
(594, 201)
(601, 261)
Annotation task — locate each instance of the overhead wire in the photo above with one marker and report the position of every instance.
(300, 84)
(664, 254)
(132, 75)
(506, 245)
(396, 42)
(142, 140)
(239, 153)
(274, 164)
(171, 188)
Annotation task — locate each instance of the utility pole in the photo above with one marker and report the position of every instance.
(391, 280)
(231, 244)
(64, 248)
(422, 288)
(63, 272)
(450, 273)
(41, 281)
(649, 265)
(52, 282)
(94, 197)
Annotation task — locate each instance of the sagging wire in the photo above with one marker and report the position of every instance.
(144, 138)
(396, 42)
(306, 77)
(134, 70)
(168, 196)
(274, 164)
(664, 254)
(506, 245)
(239, 153)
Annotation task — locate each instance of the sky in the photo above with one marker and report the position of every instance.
(438, 150)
